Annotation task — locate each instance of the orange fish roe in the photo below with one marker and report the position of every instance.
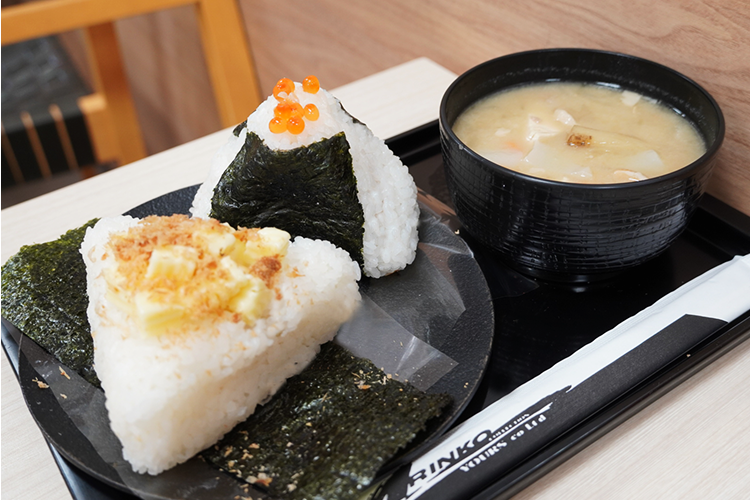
(289, 115)
(295, 125)
(297, 109)
(277, 125)
(311, 85)
(284, 85)
(311, 112)
(283, 110)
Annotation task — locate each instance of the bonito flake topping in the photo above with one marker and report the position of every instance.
(177, 273)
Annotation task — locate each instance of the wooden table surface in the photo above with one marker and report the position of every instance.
(693, 442)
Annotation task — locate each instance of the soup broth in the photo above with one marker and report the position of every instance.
(582, 133)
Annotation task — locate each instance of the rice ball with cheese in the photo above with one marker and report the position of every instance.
(195, 324)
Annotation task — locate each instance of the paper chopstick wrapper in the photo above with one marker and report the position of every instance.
(492, 442)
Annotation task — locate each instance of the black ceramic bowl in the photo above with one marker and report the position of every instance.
(566, 231)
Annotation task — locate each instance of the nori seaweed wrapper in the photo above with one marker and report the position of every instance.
(328, 431)
(309, 191)
(354, 118)
(239, 128)
(44, 296)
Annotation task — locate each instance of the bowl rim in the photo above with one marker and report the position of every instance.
(711, 149)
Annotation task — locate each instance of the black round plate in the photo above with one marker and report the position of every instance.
(441, 302)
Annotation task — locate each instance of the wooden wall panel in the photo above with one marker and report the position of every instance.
(708, 41)
(163, 55)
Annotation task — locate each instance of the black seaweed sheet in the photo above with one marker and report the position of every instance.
(308, 191)
(44, 293)
(540, 323)
(349, 418)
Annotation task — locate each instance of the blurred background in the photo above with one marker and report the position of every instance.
(164, 60)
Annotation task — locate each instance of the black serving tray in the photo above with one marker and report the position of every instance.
(540, 323)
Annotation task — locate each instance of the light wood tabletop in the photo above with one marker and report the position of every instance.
(694, 442)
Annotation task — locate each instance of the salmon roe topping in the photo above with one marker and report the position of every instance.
(295, 125)
(311, 112)
(283, 110)
(311, 85)
(297, 109)
(277, 125)
(289, 115)
(284, 85)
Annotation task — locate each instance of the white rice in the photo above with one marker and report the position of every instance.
(170, 397)
(386, 190)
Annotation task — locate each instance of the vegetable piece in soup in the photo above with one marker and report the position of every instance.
(581, 133)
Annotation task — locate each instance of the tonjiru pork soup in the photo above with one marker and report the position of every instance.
(581, 133)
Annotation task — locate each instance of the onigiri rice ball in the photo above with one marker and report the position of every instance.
(177, 378)
(384, 187)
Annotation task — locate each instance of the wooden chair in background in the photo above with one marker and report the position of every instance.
(110, 114)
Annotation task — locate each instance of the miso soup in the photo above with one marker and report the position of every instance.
(582, 133)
